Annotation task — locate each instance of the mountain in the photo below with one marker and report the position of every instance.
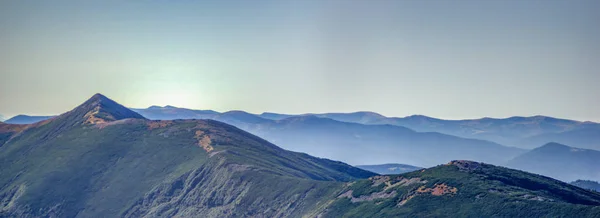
(349, 142)
(104, 160)
(1, 118)
(523, 132)
(560, 162)
(388, 169)
(275, 116)
(586, 136)
(463, 189)
(587, 184)
(173, 113)
(25, 119)
(363, 117)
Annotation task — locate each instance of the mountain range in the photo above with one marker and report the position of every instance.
(347, 141)
(104, 160)
(522, 132)
(347, 136)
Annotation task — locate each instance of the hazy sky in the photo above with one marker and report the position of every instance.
(447, 59)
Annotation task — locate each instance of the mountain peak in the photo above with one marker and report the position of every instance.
(100, 109)
(554, 146)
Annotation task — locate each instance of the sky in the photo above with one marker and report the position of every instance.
(446, 59)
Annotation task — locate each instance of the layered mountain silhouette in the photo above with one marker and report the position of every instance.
(348, 141)
(104, 160)
(560, 161)
(524, 132)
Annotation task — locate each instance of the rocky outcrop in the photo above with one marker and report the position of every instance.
(465, 165)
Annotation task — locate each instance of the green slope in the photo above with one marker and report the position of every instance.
(100, 160)
(464, 189)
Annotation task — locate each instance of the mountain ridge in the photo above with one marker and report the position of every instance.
(69, 167)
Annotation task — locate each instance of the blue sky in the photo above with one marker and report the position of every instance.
(447, 59)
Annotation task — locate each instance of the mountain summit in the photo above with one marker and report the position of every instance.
(100, 109)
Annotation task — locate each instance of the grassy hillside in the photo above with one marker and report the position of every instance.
(464, 189)
(103, 163)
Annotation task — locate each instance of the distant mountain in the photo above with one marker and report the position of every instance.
(104, 160)
(173, 113)
(1, 118)
(560, 162)
(587, 135)
(25, 119)
(275, 116)
(348, 141)
(524, 132)
(388, 169)
(587, 184)
(362, 117)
